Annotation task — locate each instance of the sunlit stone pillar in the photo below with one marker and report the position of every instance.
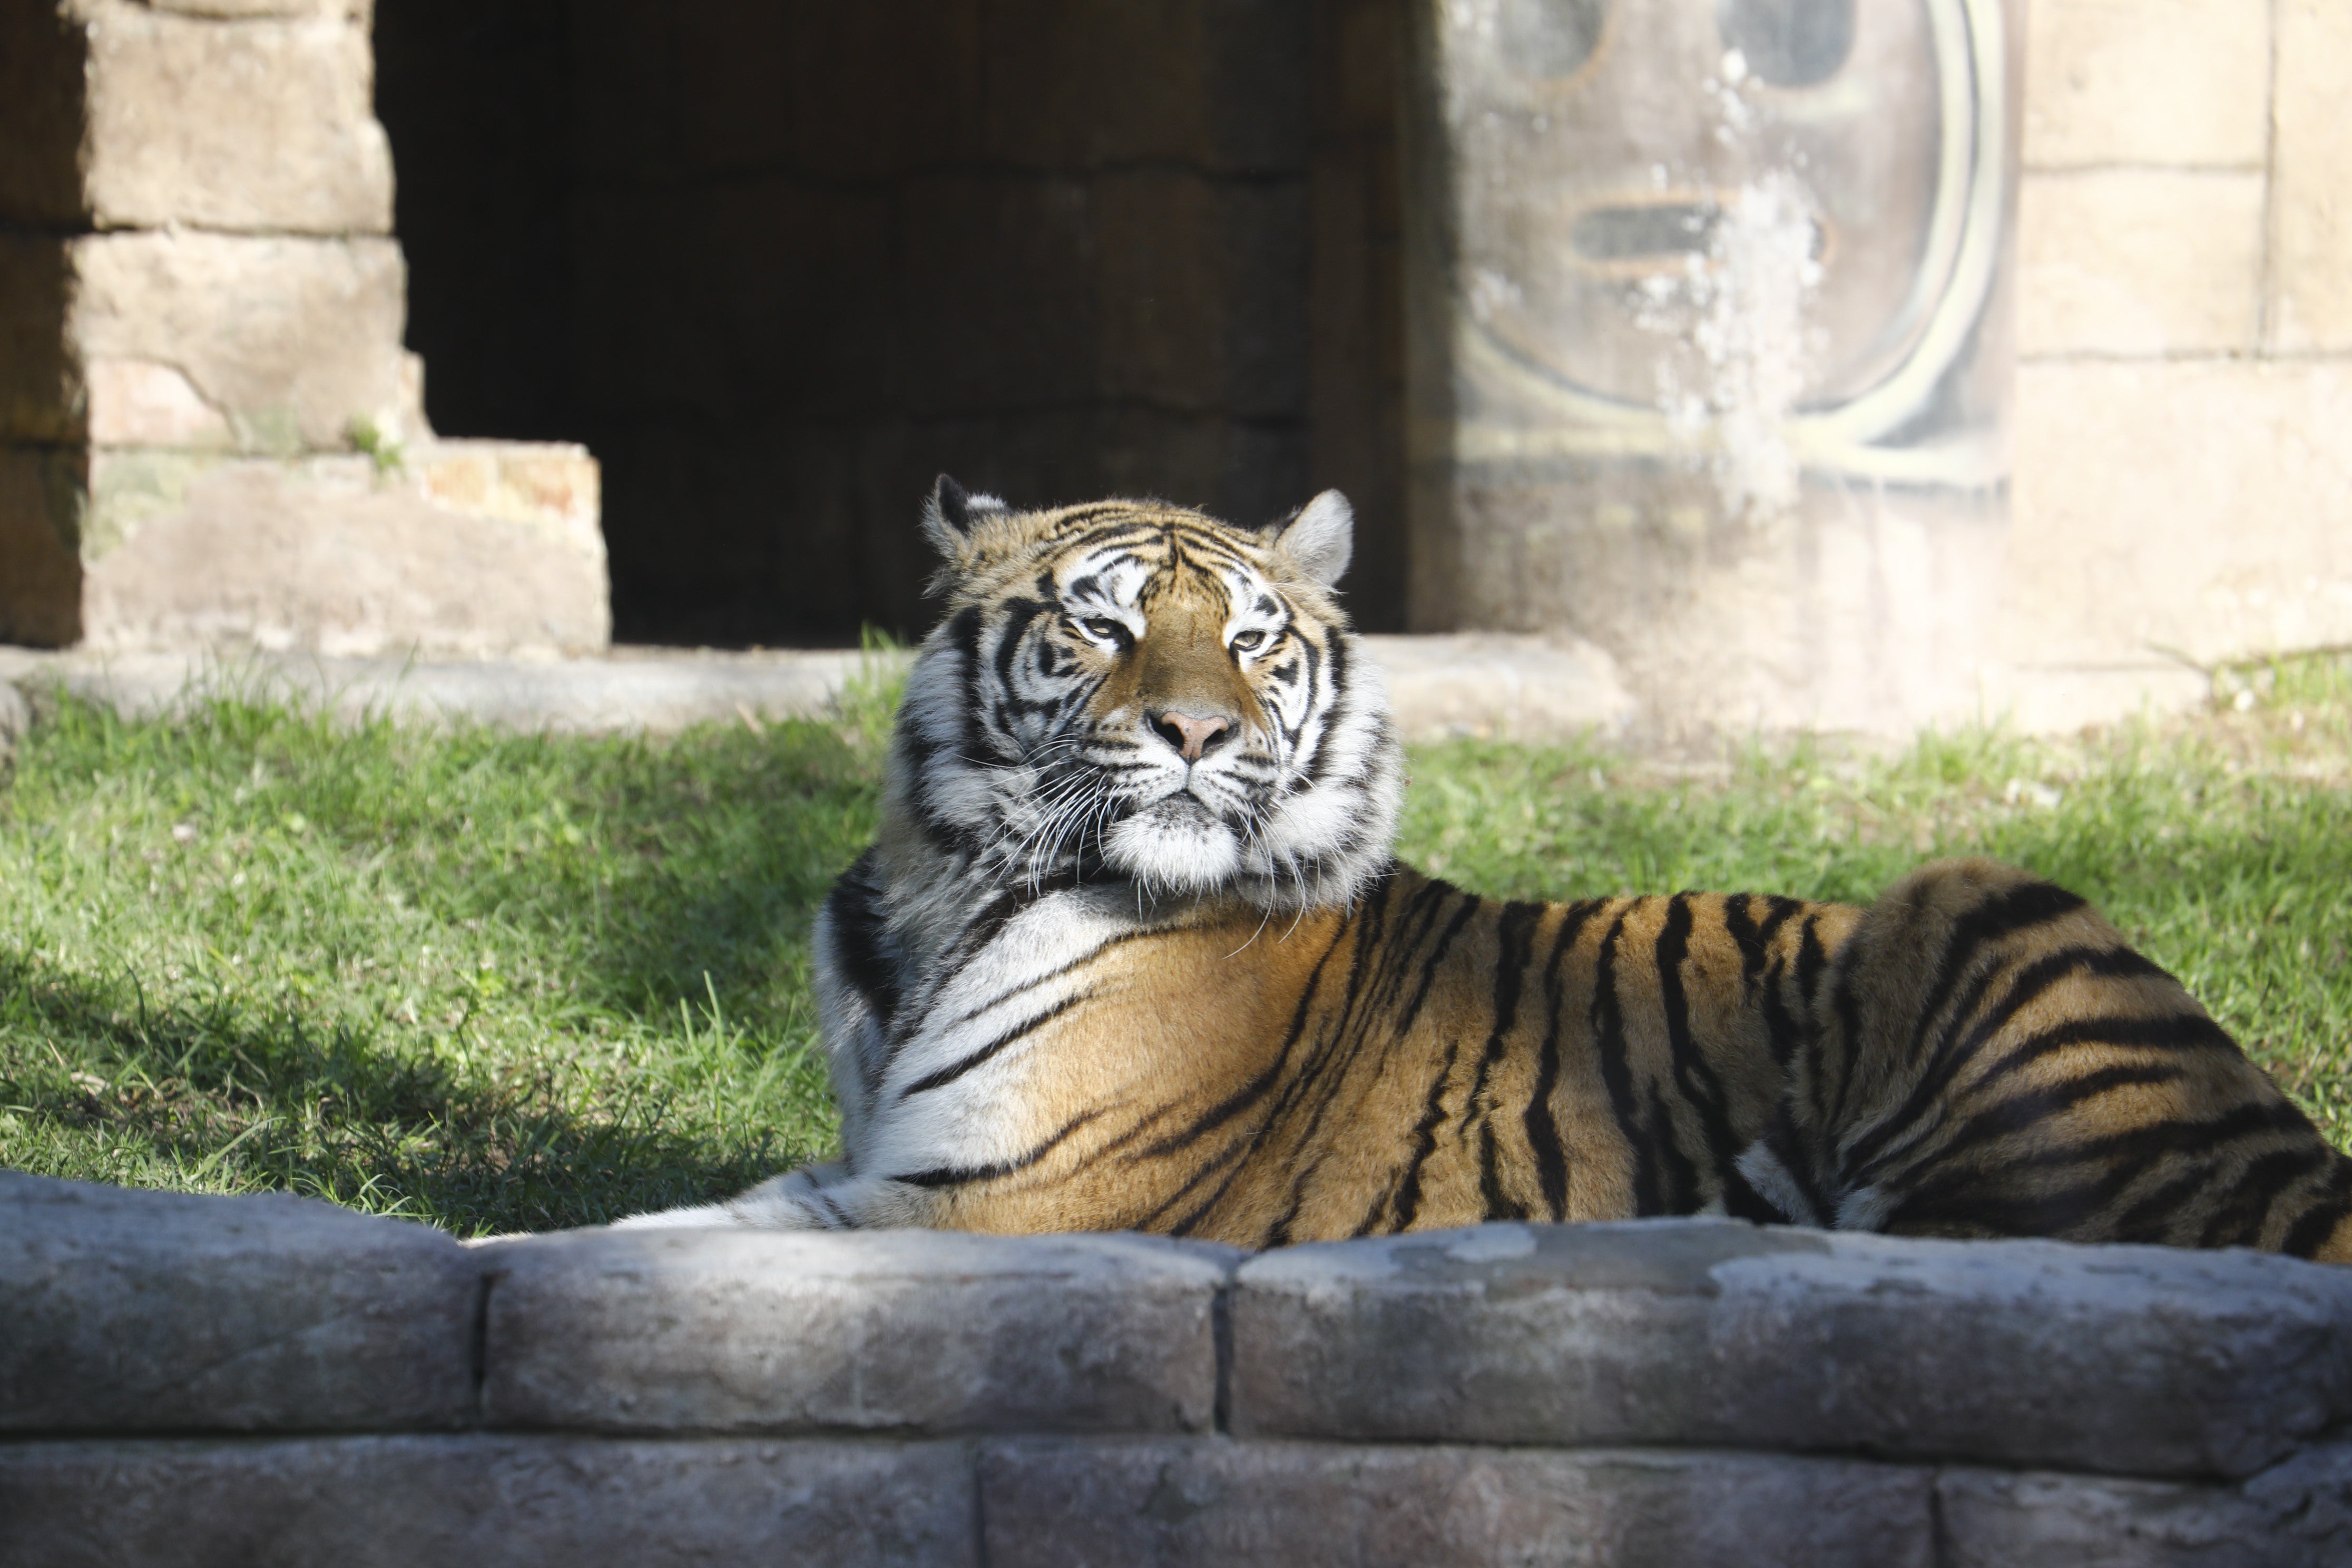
(1710, 312)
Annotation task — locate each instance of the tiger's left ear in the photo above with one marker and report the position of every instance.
(1317, 539)
(950, 513)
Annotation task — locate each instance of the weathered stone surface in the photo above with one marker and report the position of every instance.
(142, 1312)
(41, 503)
(657, 690)
(284, 341)
(719, 1330)
(2138, 261)
(1497, 686)
(2180, 508)
(400, 1502)
(2312, 196)
(1048, 1504)
(2131, 1359)
(2146, 81)
(2298, 1514)
(466, 547)
(265, 124)
(356, 10)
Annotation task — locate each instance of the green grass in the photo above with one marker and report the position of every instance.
(505, 982)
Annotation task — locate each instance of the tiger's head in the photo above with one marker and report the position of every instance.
(1134, 692)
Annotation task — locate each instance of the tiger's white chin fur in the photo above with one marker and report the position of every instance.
(1174, 844)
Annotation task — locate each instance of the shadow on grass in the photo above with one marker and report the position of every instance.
(207, 1097)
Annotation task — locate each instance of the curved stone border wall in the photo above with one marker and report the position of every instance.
(260, 1381)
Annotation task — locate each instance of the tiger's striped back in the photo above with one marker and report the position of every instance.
(1994, 1059)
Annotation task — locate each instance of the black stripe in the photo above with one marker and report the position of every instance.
(1021, 1031)
(1616, 1073)
(2175, 1032)
(1251, 1093)
(1694, 1075)
(1424, 1131)
(960, 1175)
(1543, 1127)
(1740, 925)
(1947, 1197)
(2242, 1213)
(1319, 1074)
(1782, 1141)
(2329, 1206)
(1514, 940)
(1954, 1049)
(1210, 1167)
(2147, 1218)
(1678, 1174)
(1121, 939)
(2032, 1107)
(859, 933)
(2003, 915)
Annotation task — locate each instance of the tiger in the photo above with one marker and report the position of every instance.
(1131, 951)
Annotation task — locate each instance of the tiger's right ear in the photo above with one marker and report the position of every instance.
(951, 514)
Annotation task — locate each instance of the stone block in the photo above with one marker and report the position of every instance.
(239, 10)
(463, 548)
(44, 60)
(396, 1501)
(263, 125)
(2298, 1514)
(2138, 261)
(2134, 1359)
(2146, 81)
(142, 1312)
(2187, 508)
(277, 344)
(2311, 307)
(721, 1331)
(1048, 1504)
(1501, 685)
(42, 498)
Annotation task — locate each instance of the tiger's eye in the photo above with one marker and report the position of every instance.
(1245, 641)
(1103, 629)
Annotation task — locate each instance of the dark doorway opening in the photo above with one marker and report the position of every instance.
(778, 262)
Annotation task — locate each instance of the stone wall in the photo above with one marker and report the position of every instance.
(779, 264)
(256, 1381)
(2185, 346)
(209, 431)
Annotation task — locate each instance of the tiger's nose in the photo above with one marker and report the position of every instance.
(1193, 738)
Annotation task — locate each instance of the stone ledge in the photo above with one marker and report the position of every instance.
(483, 1501)
(142, 1312)
(655, 1330)
(1030, 1502)
(1306, 1505)
(201, 1380)
(1478, 684)
(2137, 1359)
